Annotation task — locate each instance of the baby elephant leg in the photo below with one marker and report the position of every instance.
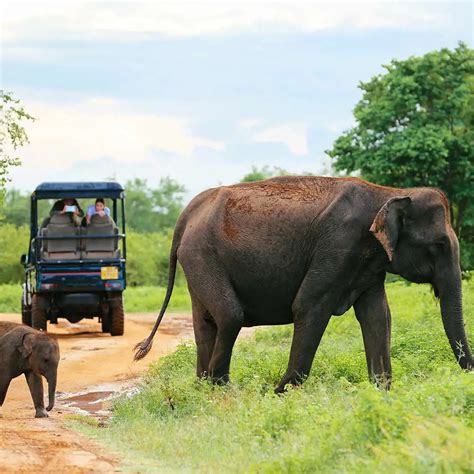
(35, 385)
(4, 384)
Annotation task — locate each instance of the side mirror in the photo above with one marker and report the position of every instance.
(24, 259)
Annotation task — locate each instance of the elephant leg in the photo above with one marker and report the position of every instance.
(4, 384)
(228, 316)
(373, 314)
(209, 284)
(35, 385)
(205, 331)
(219, 366)
(307, 334)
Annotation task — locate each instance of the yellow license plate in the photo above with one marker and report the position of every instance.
(109, 273)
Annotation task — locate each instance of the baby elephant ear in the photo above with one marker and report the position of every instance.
(387, 223)
(26, 346)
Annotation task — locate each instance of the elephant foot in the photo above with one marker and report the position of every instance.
(383, 381)
(294, 380)
(41, 413)
(280, 389)
(224, 380)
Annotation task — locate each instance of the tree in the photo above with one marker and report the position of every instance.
(153, 210)
(414, 127)
(12, 134)
(16, 208)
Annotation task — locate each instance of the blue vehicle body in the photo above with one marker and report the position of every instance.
(75, 285)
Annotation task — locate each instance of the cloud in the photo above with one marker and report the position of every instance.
(94, 128)
(124, 20)
(94, 139)
(293, 135)
(248, 123)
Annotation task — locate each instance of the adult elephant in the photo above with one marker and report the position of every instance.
(301, 249)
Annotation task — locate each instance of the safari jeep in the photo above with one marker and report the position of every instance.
(75, 266)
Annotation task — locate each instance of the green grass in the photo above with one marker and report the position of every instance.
(10, 298)
(150, 299)
(137, 299)
(336, 422)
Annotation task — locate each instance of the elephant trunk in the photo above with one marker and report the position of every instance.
(450, 292)
(51, 390)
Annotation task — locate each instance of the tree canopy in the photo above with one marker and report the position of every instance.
(12, 134)
(265, 172)
(153, 210)
(414, 127)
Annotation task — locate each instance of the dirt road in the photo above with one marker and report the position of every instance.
(93, 367)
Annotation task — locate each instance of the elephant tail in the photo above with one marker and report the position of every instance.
(143, 347)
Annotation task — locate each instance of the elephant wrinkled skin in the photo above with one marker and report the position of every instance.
(301, 249)
(24, 350)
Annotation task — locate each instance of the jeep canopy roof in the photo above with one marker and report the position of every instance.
(78, 190)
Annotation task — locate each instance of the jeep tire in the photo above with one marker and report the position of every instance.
(39, 316)
(25, 314)
(116, 322)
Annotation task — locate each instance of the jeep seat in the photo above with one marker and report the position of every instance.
(60, 225)
(105, 247)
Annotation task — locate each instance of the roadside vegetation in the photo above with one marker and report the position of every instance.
(142, 299)
(336, 422)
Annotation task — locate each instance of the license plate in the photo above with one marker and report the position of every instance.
(109, 273)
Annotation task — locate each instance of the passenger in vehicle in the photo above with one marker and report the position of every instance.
(63, 206)
(98, 208)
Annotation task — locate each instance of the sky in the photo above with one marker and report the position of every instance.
(201, 91)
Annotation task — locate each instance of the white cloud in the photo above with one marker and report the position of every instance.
(293, 135)
(194, 18)
(248, 123)
(95, 128)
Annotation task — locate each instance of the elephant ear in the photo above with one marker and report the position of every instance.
(26, 345)
(387, 223)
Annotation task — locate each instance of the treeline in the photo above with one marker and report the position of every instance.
(147, 209)
(151, 214)
(147, 256)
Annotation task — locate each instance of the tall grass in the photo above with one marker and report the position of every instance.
(336, 422)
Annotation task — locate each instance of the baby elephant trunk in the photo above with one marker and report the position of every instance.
(52, 378)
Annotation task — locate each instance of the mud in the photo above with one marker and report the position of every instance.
(94, 370)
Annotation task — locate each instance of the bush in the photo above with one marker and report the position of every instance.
(13, 243)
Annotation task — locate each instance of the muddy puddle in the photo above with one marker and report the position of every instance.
(177, 326)
(96, 401)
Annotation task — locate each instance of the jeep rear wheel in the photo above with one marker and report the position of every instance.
(106, 322)
(25, 314)
(117, 320)
(39, 318)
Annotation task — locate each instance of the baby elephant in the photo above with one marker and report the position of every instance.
(24, 350)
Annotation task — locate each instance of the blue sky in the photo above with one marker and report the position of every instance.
(201, 91)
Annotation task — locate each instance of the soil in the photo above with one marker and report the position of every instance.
(94, 368)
